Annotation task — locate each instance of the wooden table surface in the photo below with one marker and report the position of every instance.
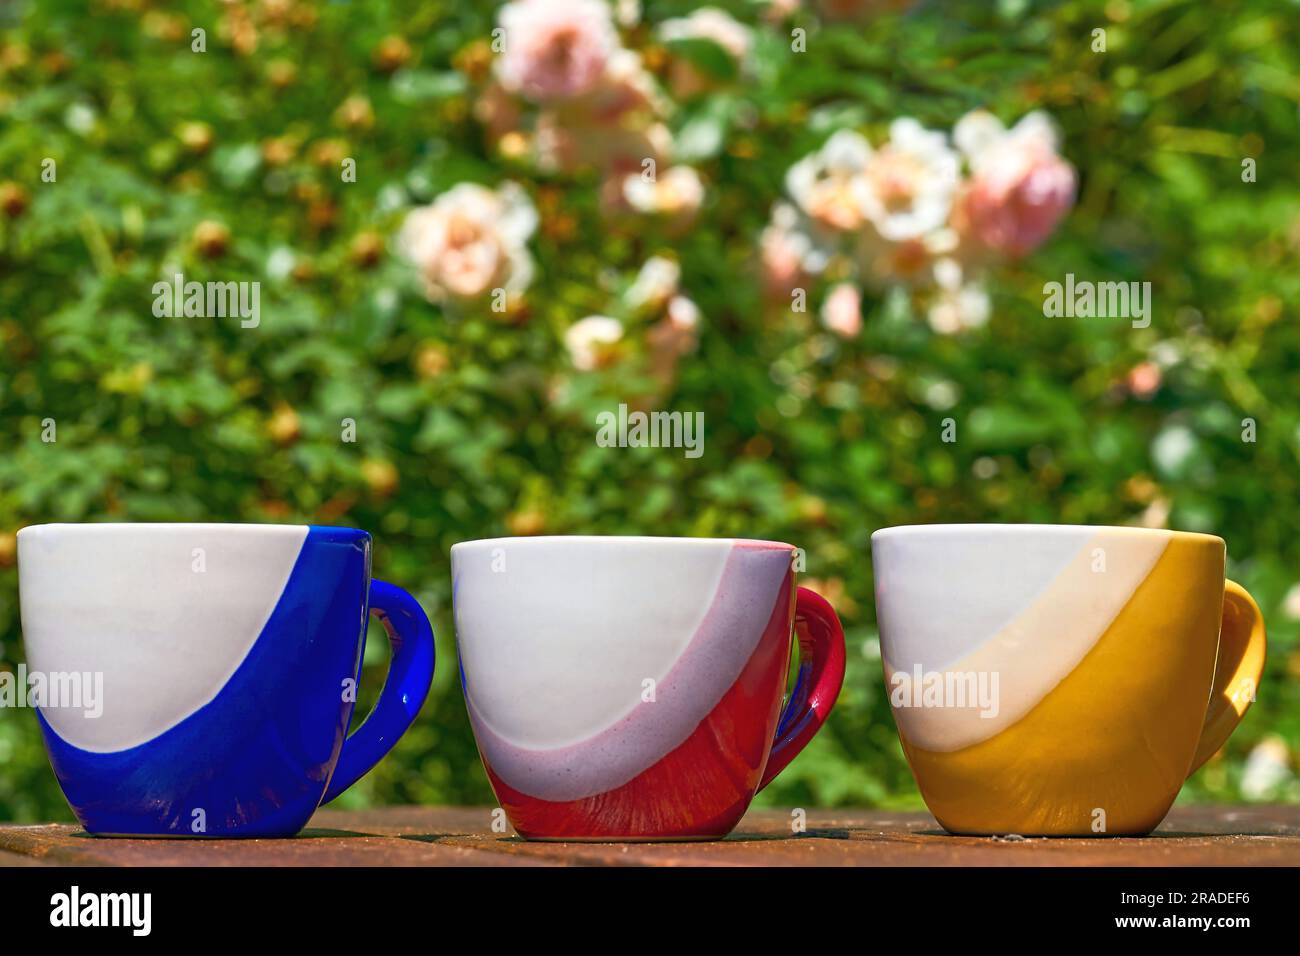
(462, 836)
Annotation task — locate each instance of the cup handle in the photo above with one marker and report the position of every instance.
(821, 674)
(410, 672)
(1236, 673)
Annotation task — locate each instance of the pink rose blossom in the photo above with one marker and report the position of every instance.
(555, 49)
(1020, 187)
(1144, 379)
(616, 126)
(842, 310)
(789, 254)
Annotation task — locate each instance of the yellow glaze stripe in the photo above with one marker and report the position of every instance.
(1116, 735)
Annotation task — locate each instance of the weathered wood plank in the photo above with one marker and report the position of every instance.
(463, 836)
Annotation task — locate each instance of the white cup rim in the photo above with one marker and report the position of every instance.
(68, 528)
(920, 530)
(660, 541)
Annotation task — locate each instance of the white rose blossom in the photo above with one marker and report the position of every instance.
(589, 340)
(654, 285)
(908, 186)
(824, 184)
(711, 23)
(471, 239)
(676, 192)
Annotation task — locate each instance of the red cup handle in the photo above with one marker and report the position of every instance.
(821, 674)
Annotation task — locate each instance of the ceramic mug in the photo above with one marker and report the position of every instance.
(1060, 680)
(226, 657)
(625, 688)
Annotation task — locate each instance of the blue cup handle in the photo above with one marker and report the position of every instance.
(409, 675)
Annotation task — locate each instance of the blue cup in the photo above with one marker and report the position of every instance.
(198, 679)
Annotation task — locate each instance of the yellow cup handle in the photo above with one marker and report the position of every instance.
(1237, 672)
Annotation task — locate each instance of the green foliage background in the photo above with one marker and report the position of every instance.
(809, 439)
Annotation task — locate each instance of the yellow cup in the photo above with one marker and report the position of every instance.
(1061, 680)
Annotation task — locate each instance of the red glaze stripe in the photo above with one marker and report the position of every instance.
(700, 789)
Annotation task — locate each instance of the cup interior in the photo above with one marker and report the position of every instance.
(162, 613)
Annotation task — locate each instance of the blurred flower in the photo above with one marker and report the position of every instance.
(163, 26)
(823, 184)
(842, 310)
(13, 199)
(673, 336)
(381, 476)
(281, 72)
(961, 303)
(80, 118)
(958, 309)
(616, 127)
(513, 145)
(303, 271)
(322, 214)
(211, 238)
(1020, 187)
(280, 263)
(526, 522)
(710, 23)
(625, 88)
(329, 153)
(907, 187)
(471, 239)
(1143, 380)
(654, 285)
(367, 248)
(475, 60)
(498, 111)
(237, 27)
(590, 341)
(56, 62)
(355, 112)
(778, 10)
(284, 426)
(1291, 603)
(788, 253)
(627, 12)
(555, 49)
(431, 360)
(392, 53)
(195, 136)
(8, 549)
(676, 193)
(909, 261)
(683, 314)
(1141, 489)
(1156, 514)
(279, 150)
(130, 380)
(834, 591)
(706, 23)
(1267, 768)
(900, 214)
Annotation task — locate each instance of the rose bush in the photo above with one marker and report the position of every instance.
(825, 225)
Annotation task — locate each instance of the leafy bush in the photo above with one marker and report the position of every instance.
(228, 165)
